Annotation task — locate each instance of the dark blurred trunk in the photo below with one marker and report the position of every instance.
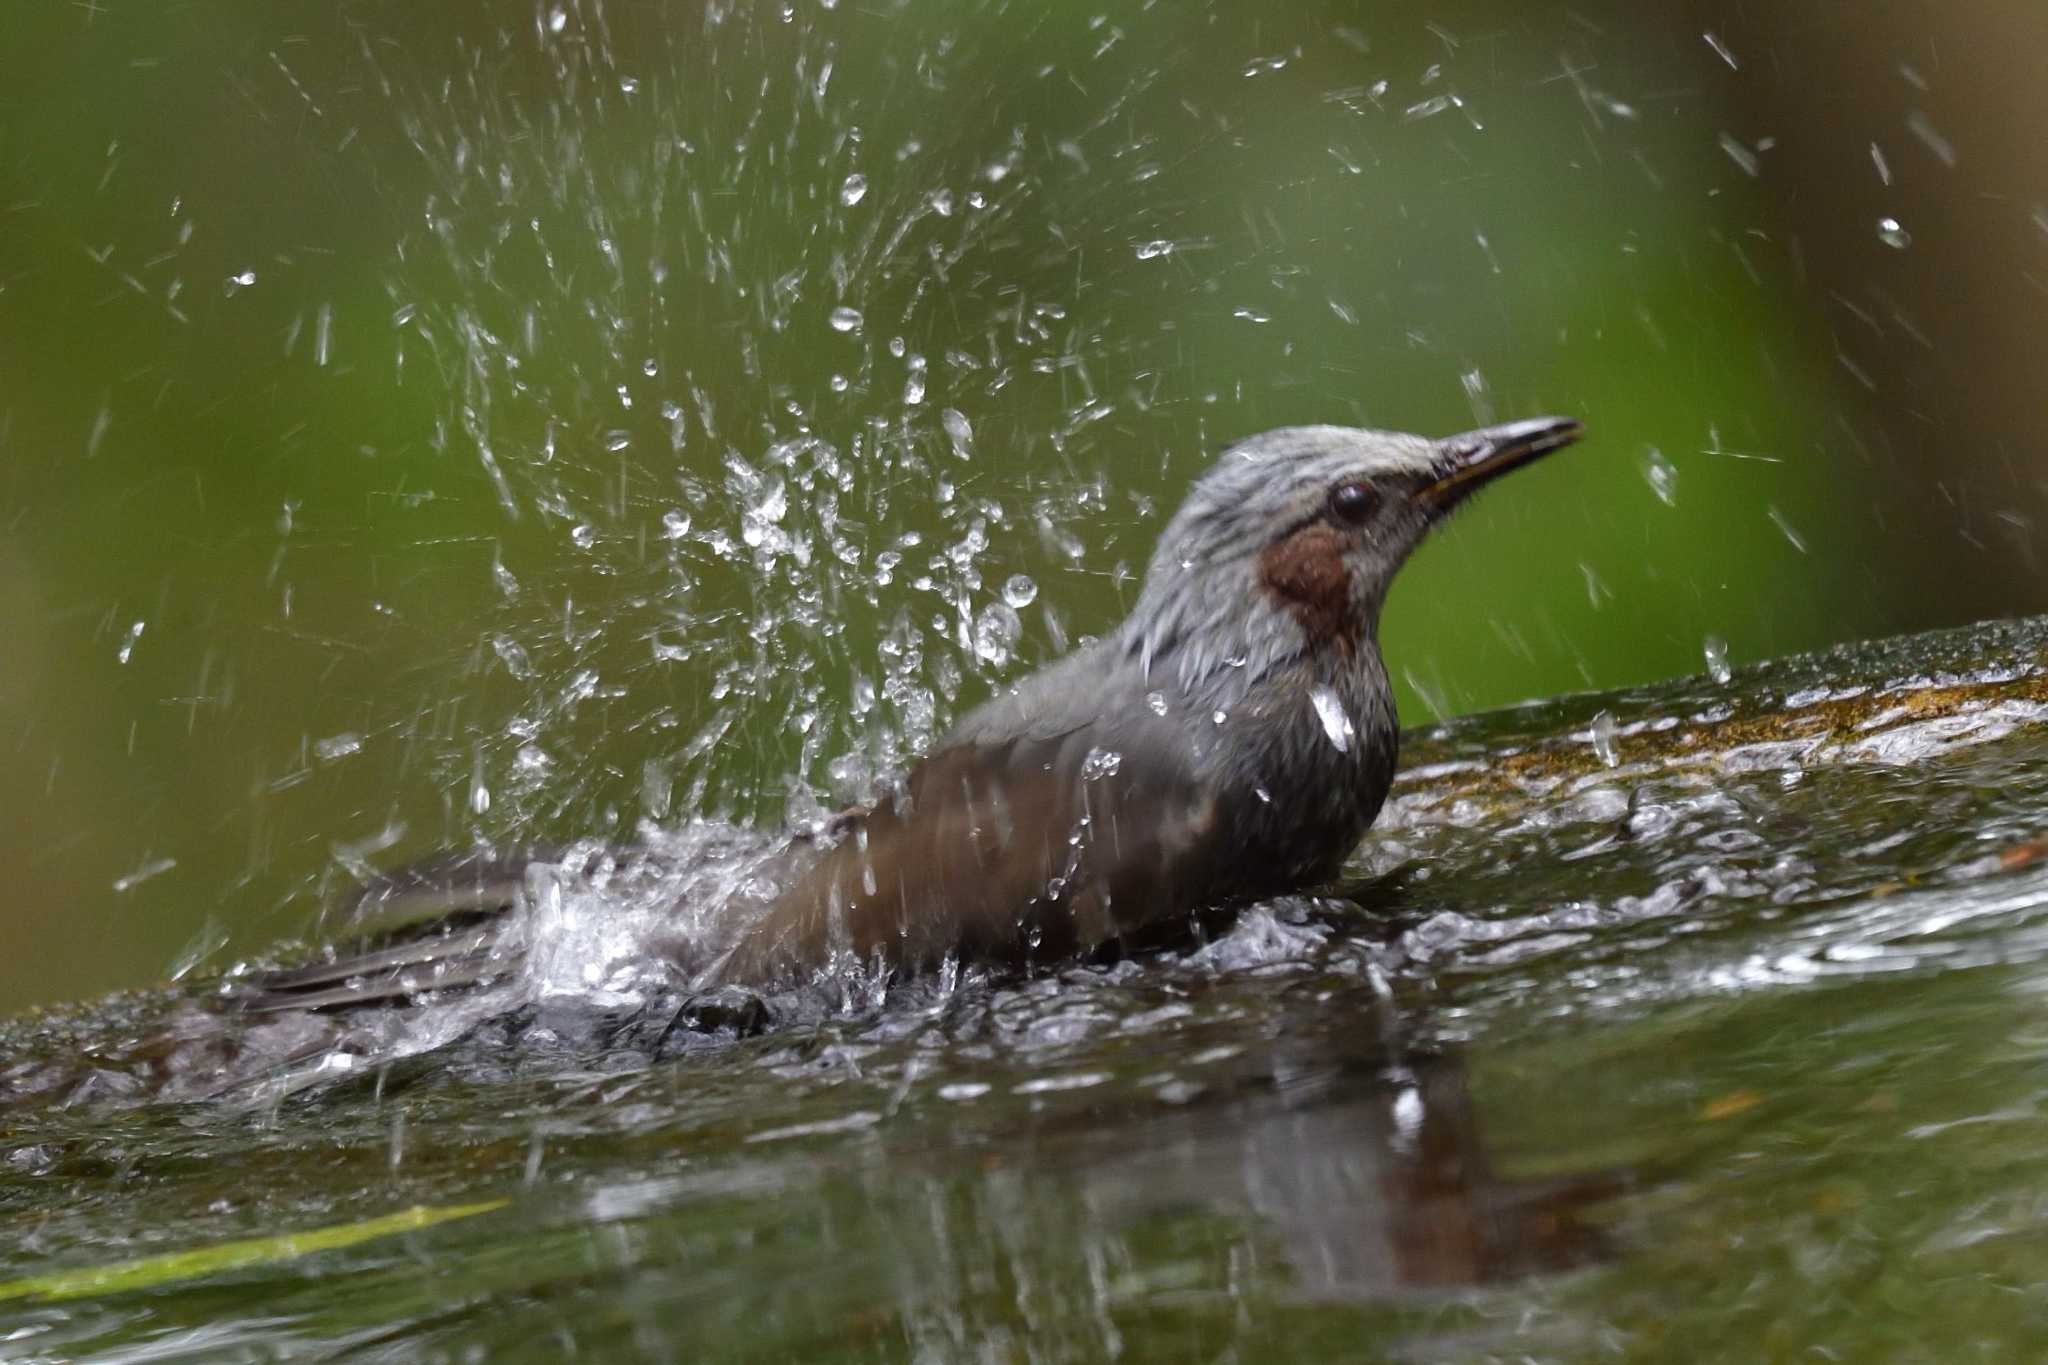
(1929, 115)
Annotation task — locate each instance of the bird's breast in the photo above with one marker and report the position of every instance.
(1307, 778)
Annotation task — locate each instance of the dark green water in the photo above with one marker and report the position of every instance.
(1727, 1048)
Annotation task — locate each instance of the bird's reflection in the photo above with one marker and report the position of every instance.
(1369, 1176)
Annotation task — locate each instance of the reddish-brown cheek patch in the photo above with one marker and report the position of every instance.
(1306, 572)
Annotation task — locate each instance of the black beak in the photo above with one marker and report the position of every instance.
(1479, 457)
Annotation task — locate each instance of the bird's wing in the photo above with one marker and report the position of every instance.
(1000, 851)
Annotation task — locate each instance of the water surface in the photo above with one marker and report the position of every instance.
(1699, 1020)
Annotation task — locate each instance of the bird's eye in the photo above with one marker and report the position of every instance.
(1352, 503)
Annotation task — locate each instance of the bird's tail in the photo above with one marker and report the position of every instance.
(441, 925)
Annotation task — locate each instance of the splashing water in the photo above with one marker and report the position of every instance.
(1715, 650)
(741, 495)
(1661, 475)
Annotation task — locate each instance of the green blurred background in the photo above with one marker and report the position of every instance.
(424, 424)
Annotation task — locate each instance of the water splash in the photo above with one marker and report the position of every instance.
(1716, 652)
(1661, 475)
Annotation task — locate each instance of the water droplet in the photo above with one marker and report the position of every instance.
(142, 874)
(853, 189)
(127, 649)
(558, 19)
(995, 632)
(1741, 155)
(961, 434)
(1152, 251)
(845, 319)
(235, 284)
(675, 524)
(1785, 528)
(584, 536)
(1478, 395)
(1100, 763)
(1922, 127)
(1602, 735)
(337, 746)
(913, 387)
(1596, 590)
(1661, 475)
(512, 655)
(628, 85)
(1716, 651)
(1252, 315)
(1336, 722)
(1019, 591)
(1219, 716)
(766, 511)
(1893, 235)
(210, 939)
(1156, 703)
(1059, 539)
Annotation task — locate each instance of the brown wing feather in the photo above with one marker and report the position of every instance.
(1000, 852)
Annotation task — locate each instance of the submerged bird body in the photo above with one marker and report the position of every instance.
(1232, 739)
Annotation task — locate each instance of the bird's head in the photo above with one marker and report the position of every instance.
(1289, 542)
